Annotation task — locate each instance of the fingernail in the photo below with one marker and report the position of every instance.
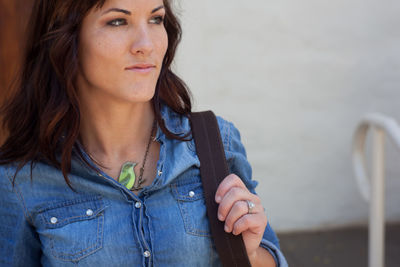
(226, 228)
(218, 199)
(220, 217)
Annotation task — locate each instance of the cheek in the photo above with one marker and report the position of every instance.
(162, 42)
(98, 51)
(98, 58)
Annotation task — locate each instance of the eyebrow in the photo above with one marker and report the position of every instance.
(114, 9)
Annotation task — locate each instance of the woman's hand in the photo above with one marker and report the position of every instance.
(232, 195)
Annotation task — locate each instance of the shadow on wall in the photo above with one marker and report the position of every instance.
(13, 17)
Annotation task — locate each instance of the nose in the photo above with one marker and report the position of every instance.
(142, 42)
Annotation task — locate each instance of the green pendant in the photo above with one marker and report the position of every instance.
(127, 176)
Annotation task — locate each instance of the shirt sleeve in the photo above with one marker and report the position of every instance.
(238, 164)
(19, 243)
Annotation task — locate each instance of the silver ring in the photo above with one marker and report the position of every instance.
(250, 205)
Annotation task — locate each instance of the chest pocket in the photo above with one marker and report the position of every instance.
(191, 201)
(73, 229)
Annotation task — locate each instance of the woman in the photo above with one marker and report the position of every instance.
(99, 168)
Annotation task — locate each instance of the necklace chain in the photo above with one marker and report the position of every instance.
(140, 179)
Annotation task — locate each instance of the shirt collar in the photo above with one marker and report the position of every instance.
(175, 123)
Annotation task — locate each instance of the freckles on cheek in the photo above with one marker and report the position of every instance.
(101, 53)
(94, 61)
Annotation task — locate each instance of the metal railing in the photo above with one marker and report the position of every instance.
(373, 190)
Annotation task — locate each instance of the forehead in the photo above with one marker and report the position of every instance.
(131, 5)
(134, 7)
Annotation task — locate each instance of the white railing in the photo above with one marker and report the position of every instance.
(373, 190)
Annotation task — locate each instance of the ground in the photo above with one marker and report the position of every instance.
(337, 248)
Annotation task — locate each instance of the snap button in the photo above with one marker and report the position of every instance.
(146, 253)
(53, 220)
(191, 194)
(89, 212)
(138, 205)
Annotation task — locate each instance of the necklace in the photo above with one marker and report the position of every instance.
(127, 176)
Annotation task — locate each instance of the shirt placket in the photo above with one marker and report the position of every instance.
(141, 226)
(142, 219)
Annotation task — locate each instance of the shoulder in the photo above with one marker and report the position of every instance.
(22, 174)
(5, 177)
(230, 135)
(180, 124)
(235, 153)
(10, 194)
(7, 172)
(11, 175)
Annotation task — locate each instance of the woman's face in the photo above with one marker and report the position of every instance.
(121, 50)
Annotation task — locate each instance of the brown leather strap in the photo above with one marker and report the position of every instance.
(213, 169)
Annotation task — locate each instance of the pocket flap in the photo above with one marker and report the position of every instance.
(188, 192)
(61, 213)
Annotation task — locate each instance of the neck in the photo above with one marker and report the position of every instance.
(119, 132)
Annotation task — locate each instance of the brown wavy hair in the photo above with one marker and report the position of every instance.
(42, 117)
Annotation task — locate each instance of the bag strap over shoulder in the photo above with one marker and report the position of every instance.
(213, 169)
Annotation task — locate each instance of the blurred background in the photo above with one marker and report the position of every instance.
(295, 77)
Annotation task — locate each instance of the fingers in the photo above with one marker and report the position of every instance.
(232, 196)
(239, 212)
(238, 196)
(230, 181)
(255, 223)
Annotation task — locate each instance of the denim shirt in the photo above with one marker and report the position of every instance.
(45, 223)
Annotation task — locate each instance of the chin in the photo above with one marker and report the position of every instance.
(136, 92)
(141, 97)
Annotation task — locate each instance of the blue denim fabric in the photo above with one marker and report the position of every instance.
(44, 223)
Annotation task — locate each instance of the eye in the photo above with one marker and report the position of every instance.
(117, 22)
(157, 20)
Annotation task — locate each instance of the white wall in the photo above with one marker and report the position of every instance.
(295, 77)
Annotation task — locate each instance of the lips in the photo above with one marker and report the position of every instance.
(141, 66)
